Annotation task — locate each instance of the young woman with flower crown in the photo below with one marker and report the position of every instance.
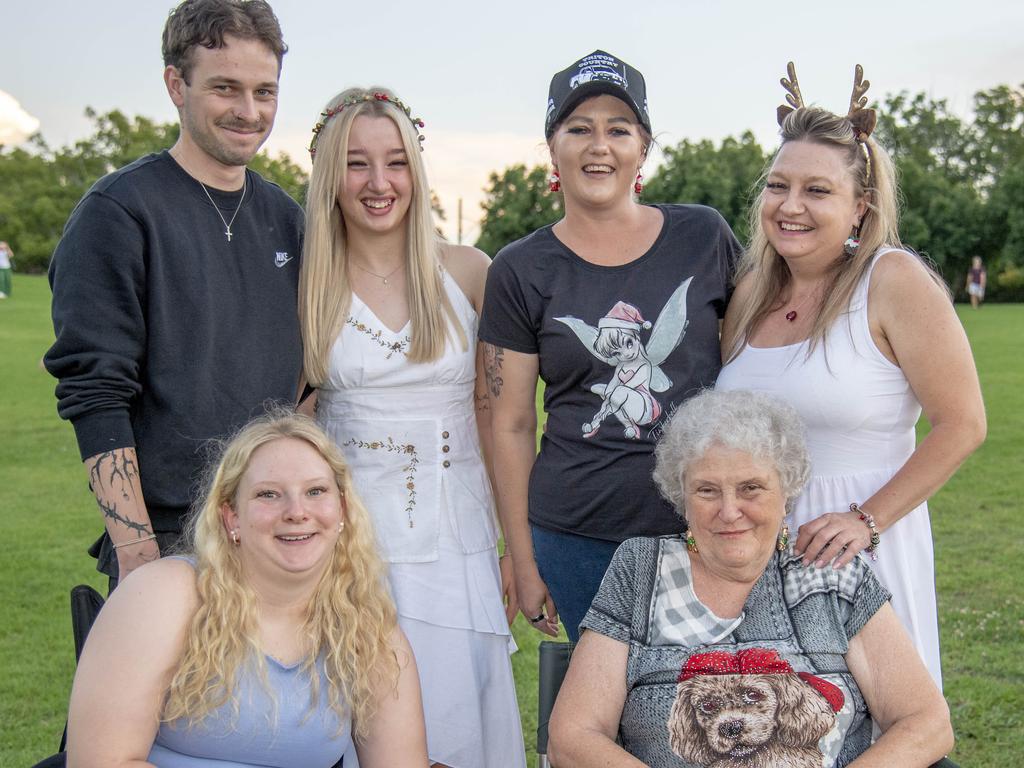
(389, 318)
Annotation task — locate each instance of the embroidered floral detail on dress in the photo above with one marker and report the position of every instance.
(378, 337)
(409, 469)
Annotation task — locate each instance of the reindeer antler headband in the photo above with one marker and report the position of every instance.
(794, 98)
(861, 118)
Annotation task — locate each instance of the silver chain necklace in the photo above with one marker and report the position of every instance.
(227, 224)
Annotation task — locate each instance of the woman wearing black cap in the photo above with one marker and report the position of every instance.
(616, 307)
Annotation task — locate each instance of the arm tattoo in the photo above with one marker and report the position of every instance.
(110, 512)
(115, 474)
(482, 401)
(493, 358)
(118, 467)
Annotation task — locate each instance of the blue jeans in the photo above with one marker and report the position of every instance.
(572, 567)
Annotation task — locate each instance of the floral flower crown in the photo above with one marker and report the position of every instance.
(330, 112)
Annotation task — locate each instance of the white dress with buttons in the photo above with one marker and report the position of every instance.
(409, 433)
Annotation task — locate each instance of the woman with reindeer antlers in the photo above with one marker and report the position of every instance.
(616, 307)
(833, 315)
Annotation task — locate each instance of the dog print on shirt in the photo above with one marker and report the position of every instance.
(750, 710)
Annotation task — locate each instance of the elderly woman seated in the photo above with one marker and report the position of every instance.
(717, 647)
(272, 645)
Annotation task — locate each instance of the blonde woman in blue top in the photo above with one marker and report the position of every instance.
(273, 644)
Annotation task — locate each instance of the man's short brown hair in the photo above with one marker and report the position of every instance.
(208, 22)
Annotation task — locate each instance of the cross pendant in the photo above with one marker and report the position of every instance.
(228, 233)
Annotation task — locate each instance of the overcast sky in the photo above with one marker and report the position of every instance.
(478, 72)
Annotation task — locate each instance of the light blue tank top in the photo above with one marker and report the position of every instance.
(297, 738)
(291, 737)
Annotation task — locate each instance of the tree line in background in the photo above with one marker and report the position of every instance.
(962, 183)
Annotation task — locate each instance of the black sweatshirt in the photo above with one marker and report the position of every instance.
(167, 334)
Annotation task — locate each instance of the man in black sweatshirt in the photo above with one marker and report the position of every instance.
(175, 287)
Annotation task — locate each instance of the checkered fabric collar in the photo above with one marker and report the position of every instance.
(678, 618)
(801, 581)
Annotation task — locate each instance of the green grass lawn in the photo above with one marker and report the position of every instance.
(50, 519)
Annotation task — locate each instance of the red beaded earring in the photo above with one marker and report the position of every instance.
(555, 182)
(638, 185)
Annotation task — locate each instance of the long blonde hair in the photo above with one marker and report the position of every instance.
(879, 227)
(324, 289)
(350, 617)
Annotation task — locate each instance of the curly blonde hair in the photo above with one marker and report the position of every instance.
(350, 617)
(324, 289)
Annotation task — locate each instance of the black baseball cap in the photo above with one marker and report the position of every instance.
(595, 73)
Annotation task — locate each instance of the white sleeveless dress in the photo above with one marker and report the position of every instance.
(860, 414)
(409, 434)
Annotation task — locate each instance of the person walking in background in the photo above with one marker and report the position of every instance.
(977, 278)
(389, 320)
(6, 266)
(175, 286)
(616, 308)
(834, 316)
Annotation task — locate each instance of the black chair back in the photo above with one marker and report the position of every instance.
(554, 661)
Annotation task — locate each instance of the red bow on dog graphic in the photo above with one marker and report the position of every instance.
(747, 709)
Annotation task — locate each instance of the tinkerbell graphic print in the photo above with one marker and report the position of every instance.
(618, 340)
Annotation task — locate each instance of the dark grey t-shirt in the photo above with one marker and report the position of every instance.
(619, 348)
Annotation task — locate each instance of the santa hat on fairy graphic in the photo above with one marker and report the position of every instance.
(624, 316)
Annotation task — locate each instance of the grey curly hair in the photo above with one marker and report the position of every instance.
(752, 422)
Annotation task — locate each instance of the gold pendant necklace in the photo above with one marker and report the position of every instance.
(383, 278)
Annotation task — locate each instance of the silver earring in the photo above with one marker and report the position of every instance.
(234, 537)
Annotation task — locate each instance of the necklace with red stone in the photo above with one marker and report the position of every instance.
(792, 314)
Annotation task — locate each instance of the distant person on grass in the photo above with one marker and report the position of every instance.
(977, 278)
(6, 264)
(175, 284)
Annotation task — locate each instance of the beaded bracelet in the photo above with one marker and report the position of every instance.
(135, 541)
(869, 521)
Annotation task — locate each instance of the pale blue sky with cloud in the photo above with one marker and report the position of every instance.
(477, 73)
